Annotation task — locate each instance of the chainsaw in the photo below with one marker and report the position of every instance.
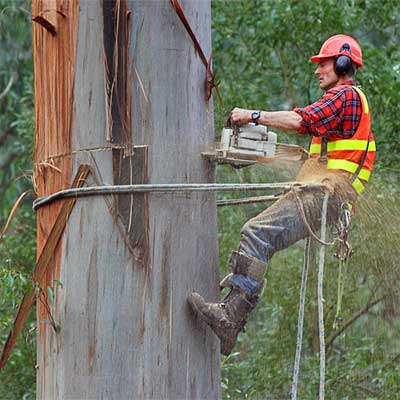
(250, 144)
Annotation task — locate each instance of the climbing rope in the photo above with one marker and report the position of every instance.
(340, 291)
(303, 287)
(167, 187)
(321, 300)
(300, 320)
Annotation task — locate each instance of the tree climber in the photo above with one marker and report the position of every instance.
(342, 157)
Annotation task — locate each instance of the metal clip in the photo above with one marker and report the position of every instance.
(346, 215)
(344, 251)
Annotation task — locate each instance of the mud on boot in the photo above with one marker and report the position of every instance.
(228, 317)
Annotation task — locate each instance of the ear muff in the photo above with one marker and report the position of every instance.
(343, 63)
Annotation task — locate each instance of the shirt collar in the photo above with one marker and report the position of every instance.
(350, 82)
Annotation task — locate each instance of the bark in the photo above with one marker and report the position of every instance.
(127, 263)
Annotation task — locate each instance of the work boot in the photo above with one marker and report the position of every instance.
(228, 317)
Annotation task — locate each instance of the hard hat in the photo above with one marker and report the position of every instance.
(340, 45)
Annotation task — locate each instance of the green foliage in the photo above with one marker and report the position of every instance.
(16, 101)
(17, 251)
(17, 257)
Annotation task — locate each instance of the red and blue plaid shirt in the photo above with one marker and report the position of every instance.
(338, 112)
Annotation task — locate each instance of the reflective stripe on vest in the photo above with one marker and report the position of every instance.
(363, 98)
(358, 186)
(343, 145)
(351, 167)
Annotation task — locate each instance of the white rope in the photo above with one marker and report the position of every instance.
(167, 187)
(303, 288)
(321, 301)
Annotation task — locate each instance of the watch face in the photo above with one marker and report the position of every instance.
(255, 116)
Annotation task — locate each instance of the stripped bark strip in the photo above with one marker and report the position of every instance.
(210, 75)
(12, 213)
(42, 266)
(54, 77)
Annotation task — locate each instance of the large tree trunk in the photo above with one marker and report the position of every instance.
(119, 86)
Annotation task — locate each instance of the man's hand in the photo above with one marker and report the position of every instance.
(240, 116)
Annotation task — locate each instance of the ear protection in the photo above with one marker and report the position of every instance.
(343, 63)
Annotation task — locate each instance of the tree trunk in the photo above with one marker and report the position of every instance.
(119, 86)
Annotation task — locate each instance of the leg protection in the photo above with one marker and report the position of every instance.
(241, 264)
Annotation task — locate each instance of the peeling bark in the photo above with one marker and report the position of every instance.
(54, 67)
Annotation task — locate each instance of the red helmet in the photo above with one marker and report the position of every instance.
(340, 45)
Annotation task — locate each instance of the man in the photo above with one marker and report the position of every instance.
(342, 157)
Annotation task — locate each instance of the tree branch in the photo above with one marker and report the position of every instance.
(355, 317)
(8, 88)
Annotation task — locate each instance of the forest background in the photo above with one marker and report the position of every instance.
(261, 50)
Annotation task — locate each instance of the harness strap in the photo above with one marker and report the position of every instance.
(323, 158)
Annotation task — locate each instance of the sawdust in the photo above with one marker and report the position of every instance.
(336, 181)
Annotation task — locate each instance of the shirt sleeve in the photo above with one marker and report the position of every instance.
(338, 112)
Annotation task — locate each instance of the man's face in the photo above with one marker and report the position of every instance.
(326, 74)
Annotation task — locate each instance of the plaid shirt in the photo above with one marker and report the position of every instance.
(338, 112)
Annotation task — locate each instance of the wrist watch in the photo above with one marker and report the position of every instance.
(255, 116)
